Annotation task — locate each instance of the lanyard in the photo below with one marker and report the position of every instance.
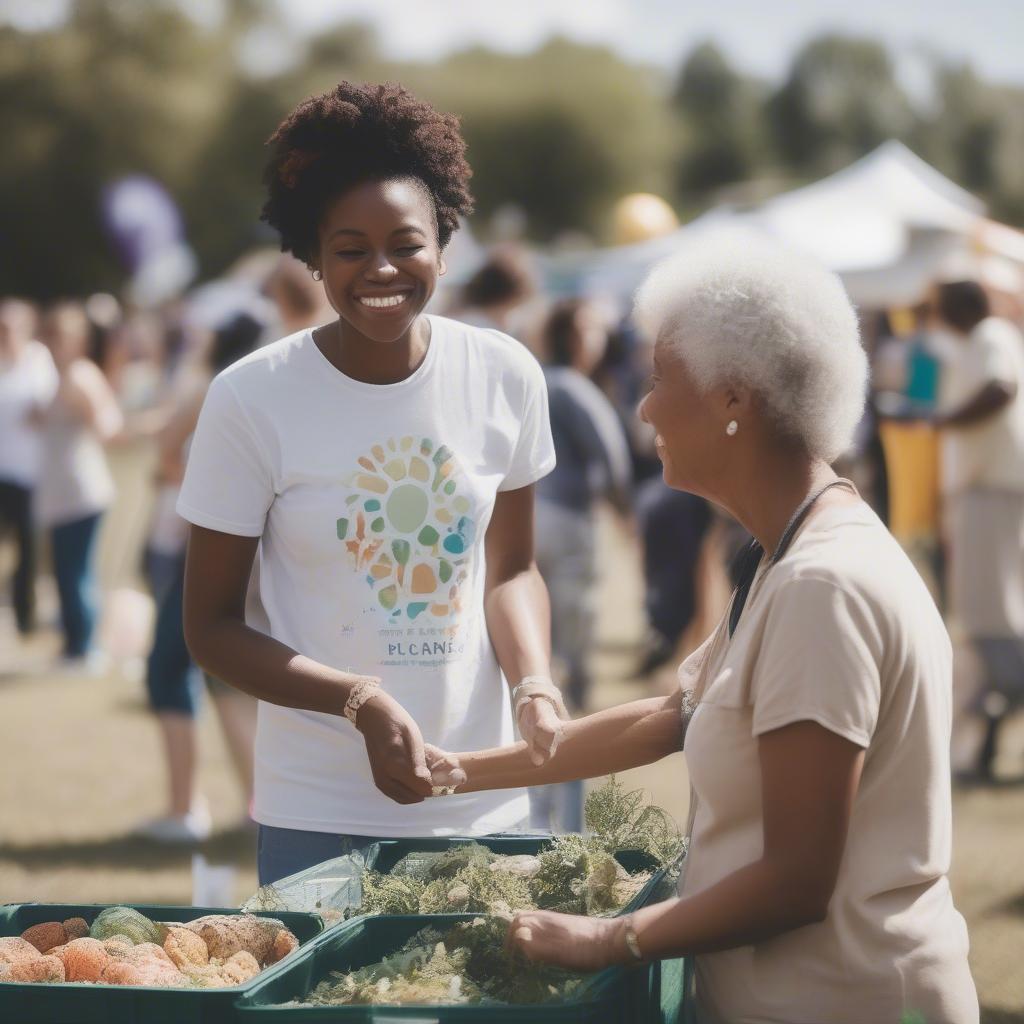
(751, 557)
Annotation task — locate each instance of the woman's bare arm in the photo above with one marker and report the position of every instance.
(613, 740)
(216, 579)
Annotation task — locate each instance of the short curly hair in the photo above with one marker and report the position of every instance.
(743, 309)
(356, 133)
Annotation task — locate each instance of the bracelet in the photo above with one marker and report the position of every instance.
(537, 686)
(360, 694)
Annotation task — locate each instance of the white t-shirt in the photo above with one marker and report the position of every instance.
(27, 384)
(989, 453)
(372, 502)
(842, 632)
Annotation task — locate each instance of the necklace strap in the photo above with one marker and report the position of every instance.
(753, 554)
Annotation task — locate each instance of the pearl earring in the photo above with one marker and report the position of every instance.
(732, 428)
(317, 276)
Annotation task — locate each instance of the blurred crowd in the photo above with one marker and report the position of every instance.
(940, 456)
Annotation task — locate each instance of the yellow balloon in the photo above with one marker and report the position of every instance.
(640, 216)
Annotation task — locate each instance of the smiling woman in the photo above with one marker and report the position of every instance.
(378, 463)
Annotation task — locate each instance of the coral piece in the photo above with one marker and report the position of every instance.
(128, 922)
(76, 928)
(185, 948)
(46, 935)
(13, 948)
(83, 959)
(226, 934)
(42, 969)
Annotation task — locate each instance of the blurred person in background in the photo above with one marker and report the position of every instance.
(75, 486)
(592, 464)
(982, 423)
(297, 298)
(28, 380)
(497, 291)
(173, 682)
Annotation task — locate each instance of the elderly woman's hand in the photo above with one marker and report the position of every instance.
(568, 940)
(446, 771)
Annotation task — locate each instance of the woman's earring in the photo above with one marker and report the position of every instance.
(317, 276)
(732, 428)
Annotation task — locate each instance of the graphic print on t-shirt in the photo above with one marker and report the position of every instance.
(408, 529)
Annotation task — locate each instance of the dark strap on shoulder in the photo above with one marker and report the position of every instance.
(751, 556)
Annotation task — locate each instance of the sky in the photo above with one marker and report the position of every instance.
(759, 36)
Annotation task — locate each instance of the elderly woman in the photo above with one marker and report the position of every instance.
(816, 717)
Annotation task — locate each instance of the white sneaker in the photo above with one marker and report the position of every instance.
(194, 827)
(92, 665)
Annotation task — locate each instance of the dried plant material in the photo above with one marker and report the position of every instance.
(466, 964)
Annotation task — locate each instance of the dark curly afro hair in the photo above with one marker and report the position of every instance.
(357, 133)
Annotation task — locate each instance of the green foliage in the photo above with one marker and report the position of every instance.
(390, 894)
(622, 819)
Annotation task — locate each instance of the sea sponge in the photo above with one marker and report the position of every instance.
(13, 948)
(185, 948)
(45, 969)
(83, 959)
(46, 935)
(120, 972)
(76, 928)
(128, 922)
(227, 934)
(119, 946)
(238, 968)
(148, 951)
(285, 943)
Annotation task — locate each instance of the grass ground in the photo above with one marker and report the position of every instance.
(80, 765)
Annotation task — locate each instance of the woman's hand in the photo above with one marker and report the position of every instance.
(568, 940)
(541, 727)
(395, 749)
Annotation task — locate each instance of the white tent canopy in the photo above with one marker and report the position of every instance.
(887, 224)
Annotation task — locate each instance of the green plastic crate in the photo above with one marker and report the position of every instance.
(629, 996)
(80, 1003)
(386, 853)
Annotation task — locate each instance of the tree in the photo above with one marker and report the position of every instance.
(839, 100)
(718, 111)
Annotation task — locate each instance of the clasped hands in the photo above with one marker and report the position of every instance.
(408, 770)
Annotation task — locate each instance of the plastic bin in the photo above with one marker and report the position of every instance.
(629, 996)
(386, 853)
(81, 1003)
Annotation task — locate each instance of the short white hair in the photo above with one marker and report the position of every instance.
(745, 311)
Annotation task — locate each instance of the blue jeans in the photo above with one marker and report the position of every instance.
(74, 544)
(281, 852)
(172, 680)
